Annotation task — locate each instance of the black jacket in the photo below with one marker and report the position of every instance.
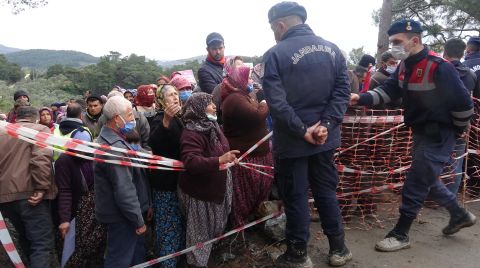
(468, 77)
(209, 76)
(305, 82)
(165, 142)
(447, 105)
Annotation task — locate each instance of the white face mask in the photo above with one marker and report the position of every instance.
(399, 52)
(391, 69)
(211, 117)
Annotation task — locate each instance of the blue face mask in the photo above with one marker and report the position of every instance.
(250, 88)
(184, 95)
(128, 126)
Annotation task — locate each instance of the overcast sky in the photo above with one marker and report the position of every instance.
(176, 29)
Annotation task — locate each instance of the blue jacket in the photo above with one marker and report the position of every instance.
(117, 195)
(473, 62)
(448, 104)
(305, 82)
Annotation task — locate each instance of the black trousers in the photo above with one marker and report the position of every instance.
(35, 229)
(293, 177)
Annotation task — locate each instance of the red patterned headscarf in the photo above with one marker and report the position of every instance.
(143, 97)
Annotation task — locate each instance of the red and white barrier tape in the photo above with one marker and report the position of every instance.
(16, 130)
(257, 165)
(377, 189)
(349, 119)
(255, 146)
(256, 170)
(100, 160)
(369, 139)
(201, 245)
(344, 169)
(8, 245)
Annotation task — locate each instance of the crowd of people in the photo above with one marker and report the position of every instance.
(301, 91)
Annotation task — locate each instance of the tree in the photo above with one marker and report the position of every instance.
(20, 5)
(385, 20)
(442, 19)
(354, 57)
(9, 72)
(55, 70)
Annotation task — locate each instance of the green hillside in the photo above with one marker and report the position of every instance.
(44, 58)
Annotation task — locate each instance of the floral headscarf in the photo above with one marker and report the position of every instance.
(196, 119)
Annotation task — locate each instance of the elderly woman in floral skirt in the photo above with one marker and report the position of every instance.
(205, 191)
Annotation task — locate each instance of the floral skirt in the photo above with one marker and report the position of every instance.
(169, 226)
(205, 221)
(250, 189)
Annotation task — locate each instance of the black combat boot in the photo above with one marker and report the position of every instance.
(295, 257)
(339, 254)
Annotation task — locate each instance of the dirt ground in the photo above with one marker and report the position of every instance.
(429, 247)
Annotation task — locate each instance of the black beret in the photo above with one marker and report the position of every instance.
(474, 40)
(20, 93)
(214, 37)
(285, 9)
(405, 26)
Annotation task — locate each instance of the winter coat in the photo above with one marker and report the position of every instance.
(209, 76)
(24, 167)
(116, 197)
(305, 82)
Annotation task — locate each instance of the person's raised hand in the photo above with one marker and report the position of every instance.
(170, 112)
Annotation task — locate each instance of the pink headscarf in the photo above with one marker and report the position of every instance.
(236, 80)
(180, 82)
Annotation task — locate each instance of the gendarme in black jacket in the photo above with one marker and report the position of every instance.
(305, 82)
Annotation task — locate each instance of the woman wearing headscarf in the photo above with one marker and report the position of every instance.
(205, 191)
(145, 101)
(46, 118)
(166, 129)
(244, 124)
(183, 86)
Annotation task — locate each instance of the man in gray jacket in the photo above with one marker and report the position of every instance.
(116, 199)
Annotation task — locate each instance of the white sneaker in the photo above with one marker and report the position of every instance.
(390, 244)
